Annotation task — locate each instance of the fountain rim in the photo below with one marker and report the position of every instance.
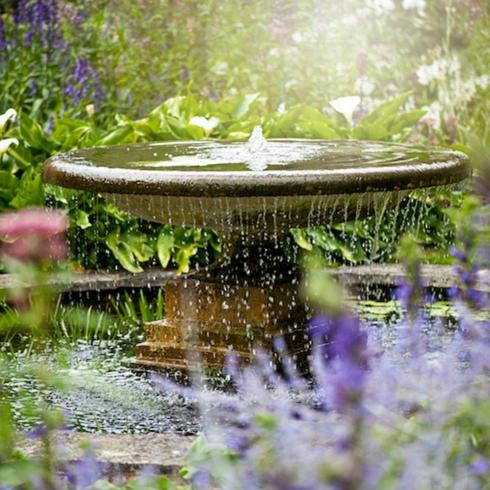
(449, 168)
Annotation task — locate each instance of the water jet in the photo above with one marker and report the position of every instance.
(251, 193)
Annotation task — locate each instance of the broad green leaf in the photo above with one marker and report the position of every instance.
(321, 238)
(30, 191)
(82, 219)
(299, 235)
(165, 245)
(375, 131)
(386, 109)
(406, 120)
(355, 254)
(8, 185)
(244, 105)
(140, 245)
(123, 253)
(118, 135)
(183, 256)
(33, 134)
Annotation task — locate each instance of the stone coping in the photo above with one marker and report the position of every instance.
(337, 167)
(125, 454)
(436, 276)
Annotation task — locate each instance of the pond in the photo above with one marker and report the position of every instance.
(107, 392)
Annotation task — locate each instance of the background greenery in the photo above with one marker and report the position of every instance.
(107, 72)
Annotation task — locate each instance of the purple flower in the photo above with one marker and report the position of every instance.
(348, 385)
(480, 467)
(40, 18)
(38, 432)
(201, 479)
(85, 472)
(341, 344)
(3, 40)
(83, 83)
(339, 337)
(468, 277)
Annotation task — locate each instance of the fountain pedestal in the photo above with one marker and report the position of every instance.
(239, 307)
(206, 321)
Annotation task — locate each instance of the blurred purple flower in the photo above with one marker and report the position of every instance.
(33, 235)
(480, 467)
(201, 479)
(38, 432)
(83, 83)
(40, 18)
(341, 344)
(85, 472)
(468, 276)
(3, 40)
(339, 337)
(410, 291)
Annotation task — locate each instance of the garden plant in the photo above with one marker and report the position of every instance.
(413, 412)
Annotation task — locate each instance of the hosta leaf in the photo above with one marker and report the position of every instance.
(30, 191)
(82, 219)
(183, 256)
(118, 135)
(123, 253)
(300, 238)
(165, 245)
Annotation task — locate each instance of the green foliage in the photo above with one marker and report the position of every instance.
(267, 63)
(101, 235)
(424, 215)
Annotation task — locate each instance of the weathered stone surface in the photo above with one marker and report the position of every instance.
(438, 276)
(205, 319)
(123, 453)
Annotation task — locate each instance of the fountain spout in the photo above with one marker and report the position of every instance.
(256, 150)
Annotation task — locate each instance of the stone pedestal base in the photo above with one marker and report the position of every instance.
(208, 318)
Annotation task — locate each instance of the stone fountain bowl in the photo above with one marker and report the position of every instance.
(229, 186)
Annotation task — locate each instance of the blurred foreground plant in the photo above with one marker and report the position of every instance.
(33, 248)
(375, 416)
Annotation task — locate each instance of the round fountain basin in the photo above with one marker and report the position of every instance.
(229, 186)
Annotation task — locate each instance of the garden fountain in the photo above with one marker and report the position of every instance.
(252, 194)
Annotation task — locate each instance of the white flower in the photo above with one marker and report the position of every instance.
(482, 81)
(346, 105)
(414, 4)
(428, 73)
(438, 70)
(297, 37)
(90, 110)
(274, 52)
(381, 6)
(5, 144)
(207, 124)
(5, 118)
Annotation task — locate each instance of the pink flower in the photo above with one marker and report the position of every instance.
(34, 235)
